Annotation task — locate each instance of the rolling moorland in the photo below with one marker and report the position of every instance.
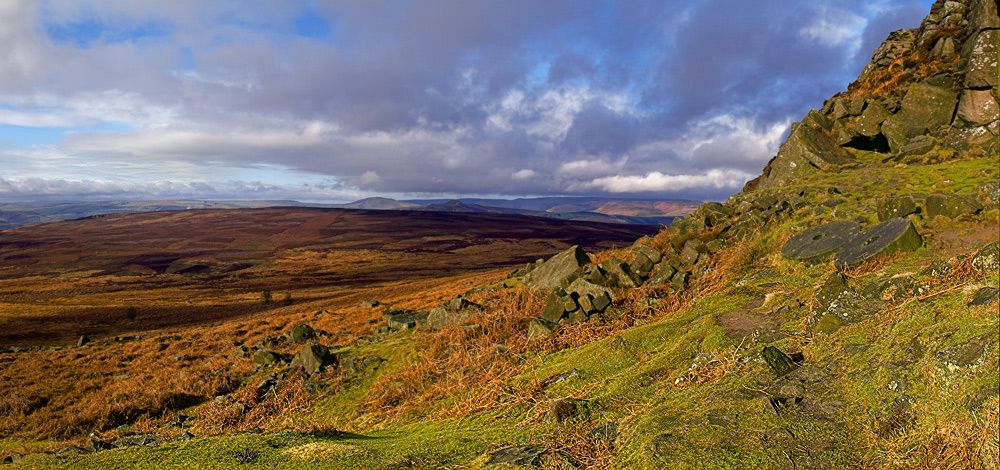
(839, 312)
(605, 210)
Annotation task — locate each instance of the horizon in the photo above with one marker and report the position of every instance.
(333, 103)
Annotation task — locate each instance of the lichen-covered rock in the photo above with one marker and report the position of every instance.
(641, 265)
(924, 107)
(402, 319)
(981, 52)
(949, 205)
(440, 317)
(987, 259)
(976, 108)
(265, 357)
(892, 236)
(893, 207)
(559, 270)
(870, 122)
(619, 274)
(835, 285)
(851, 308)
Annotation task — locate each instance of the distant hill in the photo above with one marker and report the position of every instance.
(588, 209)
(378, 203)
(19, 215)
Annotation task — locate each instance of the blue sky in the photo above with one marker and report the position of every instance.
(332, 101)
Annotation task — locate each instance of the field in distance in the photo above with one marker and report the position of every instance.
(120, 273)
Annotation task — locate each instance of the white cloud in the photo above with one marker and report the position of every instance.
(525, 174)
(659, 182)
(370, 178)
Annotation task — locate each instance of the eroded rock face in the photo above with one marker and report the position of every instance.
(809, 146)
(924, 107)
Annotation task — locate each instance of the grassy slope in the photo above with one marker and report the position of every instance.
(646, 377)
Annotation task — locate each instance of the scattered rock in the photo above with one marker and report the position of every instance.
(984, 296)
(139, 440)
(619, 274)
(835, 285)
(591, 297)
(539, 328)
(125, 431)
(559, 270)
(890, 208)
(370, 303)
(301, 333)
(562, 409)
(313, 357)
(962, 355)
(778, 361)
(402, 319)
(518, 456)
(852, 308)
(82, 341)
(265, 357)
(988, 258)
(817, 244)
(459, 303)
(891, 236)
(441, 317)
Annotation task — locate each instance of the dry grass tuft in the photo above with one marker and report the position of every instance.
(974, 446)
(873, 265)
(251, 407)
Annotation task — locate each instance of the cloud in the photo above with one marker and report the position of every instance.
(494, 97)
(659, 182)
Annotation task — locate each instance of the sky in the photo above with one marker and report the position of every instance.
(333, 101)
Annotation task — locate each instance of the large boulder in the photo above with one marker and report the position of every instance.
(820, 243)
(892, 236)
(924, 107)
(951, 205)
(976, 108)
(559, 270)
